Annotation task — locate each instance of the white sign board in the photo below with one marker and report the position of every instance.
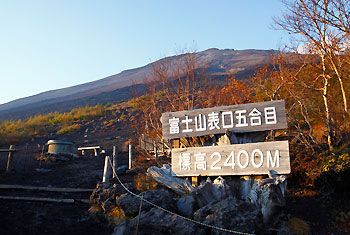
(238, 159)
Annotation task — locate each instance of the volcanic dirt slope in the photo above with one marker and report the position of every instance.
(217, 63)
(28, 217)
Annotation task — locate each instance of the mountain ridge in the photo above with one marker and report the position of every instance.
(219, 62)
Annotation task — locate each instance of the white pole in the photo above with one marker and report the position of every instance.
(106, 170)
(130, 156)
(155, 148)
(115, 165)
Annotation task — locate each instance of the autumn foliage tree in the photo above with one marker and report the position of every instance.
(180, 83)
(174, 84)
(323, 26)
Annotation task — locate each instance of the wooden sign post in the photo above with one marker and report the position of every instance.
(11, 152)
(238, 159)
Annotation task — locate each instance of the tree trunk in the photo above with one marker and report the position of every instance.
(326, 106)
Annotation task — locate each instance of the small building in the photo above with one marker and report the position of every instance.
(63, 147)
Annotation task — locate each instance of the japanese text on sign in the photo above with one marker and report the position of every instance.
(242, 159)
(247, 117)
(225, 121)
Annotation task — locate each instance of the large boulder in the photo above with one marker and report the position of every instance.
(160, 198)
(122, 170)
(104, 196)
(120, 230)
(186, 206)
(268, 195)
(209, 192)
(232, 214)
(131, 204)
(104, 191)
(160, 222)
(165, 176)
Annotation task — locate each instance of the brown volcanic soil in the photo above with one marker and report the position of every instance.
(28, 217)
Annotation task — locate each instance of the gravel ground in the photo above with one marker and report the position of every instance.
(27, 217)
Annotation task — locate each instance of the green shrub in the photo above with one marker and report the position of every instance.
(336, 163)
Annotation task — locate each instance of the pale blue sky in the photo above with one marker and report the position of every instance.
(46, 45)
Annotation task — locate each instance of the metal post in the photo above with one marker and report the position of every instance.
(106, 170)
(115, 163)
(9, 159)
(130, 156)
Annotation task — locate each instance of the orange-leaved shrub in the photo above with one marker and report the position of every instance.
(144, 182)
